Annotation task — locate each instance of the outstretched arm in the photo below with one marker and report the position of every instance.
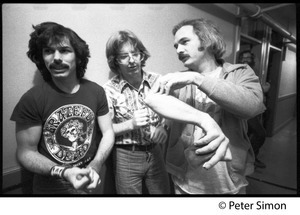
(213, 140)
(245, 100)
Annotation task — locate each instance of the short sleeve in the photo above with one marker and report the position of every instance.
(102, 103)
(26, 111)
(110, 103)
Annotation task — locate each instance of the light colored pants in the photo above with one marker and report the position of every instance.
(179, 191)
(131, 169)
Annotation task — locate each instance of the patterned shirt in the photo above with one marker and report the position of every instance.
(123, 99)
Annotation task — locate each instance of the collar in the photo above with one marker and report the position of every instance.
(228, 67)
(148, 78)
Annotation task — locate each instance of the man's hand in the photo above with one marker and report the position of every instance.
(79, 178)
(83, 179)
(140, 118)
(159, 135)
(173, 81)
(95, 179)
(213, 141)
(213, 144)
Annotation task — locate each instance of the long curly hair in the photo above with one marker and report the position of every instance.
(51, 32)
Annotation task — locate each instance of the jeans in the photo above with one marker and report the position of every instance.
(53, 186)
(132, 169)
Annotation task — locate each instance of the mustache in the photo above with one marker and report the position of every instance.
(182, 56)
(201, 48)
(58, 66)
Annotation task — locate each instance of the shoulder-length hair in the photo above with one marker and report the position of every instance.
(208, 34)
(51, 32)
(115, 43)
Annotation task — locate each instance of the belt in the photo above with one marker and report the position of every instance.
(133, 147)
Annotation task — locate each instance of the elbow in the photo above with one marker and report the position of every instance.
(21, 156)
(18, 156)
(255, 106)
(258, 106)
(260, 109)
(110, 134)
(253, 110)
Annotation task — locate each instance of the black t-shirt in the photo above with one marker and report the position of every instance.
(70, 130)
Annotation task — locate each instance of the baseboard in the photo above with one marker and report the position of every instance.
(17, 181)
(279, 127)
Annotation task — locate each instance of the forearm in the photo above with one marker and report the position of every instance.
(244, 99)
(28, 137)
(123, 127)
(214, 141)
(104, 149)
(172, 108)
(34, 162)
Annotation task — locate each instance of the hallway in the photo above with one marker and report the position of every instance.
(279, 153)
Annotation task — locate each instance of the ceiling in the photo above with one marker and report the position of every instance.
(279, 11)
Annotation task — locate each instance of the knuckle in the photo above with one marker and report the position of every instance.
(226, 140)
(211, 147)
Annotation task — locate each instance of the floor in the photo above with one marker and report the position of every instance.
(279, 153)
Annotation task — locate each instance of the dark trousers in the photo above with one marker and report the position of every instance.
(256, 133)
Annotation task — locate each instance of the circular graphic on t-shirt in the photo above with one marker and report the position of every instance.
(68, 132)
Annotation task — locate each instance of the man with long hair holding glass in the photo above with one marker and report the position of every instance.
(140, 133)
